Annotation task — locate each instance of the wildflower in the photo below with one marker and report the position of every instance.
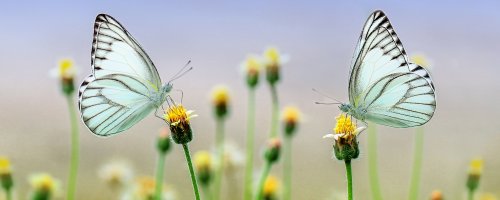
(220, 99)
(163, 144)
(487, 196)
(203, 165)
(6, 174)
(178, 119)
(272, 153)
(436, 195)
(346, 144)
(271, 188)
(273, 62)
(65, 72)
(144, 189)
(291, 117)
(252, 67)
(421, 60)
(44, 186)
(117, 174)
(475, 171)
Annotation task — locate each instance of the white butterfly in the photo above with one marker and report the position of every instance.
(384, 87)
(124, 86)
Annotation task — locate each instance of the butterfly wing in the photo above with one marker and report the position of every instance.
(383, 84)
(119, 92)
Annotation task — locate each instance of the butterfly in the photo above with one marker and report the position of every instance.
(124, 86)
(384, 87)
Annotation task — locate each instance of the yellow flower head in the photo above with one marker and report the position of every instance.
(436, 195)
(271, 187)
(66, 69)
(44, 182)
(476, 167)
(5, 167)
(145, 189)
(203, 160)
(178, 114)
(344, 125)
(220, 95)
(272, 55)
(488, 196)
(421, 60)
(291, 114)
(252, 65)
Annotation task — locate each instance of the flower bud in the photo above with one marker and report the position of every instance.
(220, 100)
(67, 74)
(273, 64)
(436, 195)
(252, 70)
(163, 144)
(6, 180)
(475, 171)
(272, 153)
(178, 119)
(291, 116)
(203, 164)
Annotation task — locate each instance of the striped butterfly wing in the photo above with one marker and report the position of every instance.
(390, 90)
(118, 93)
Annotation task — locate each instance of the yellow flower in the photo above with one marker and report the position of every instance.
(46, 184)
(66, 69)
(344, 125)
(252, 69)
(203, 160)
(421, 60)
(5, 167)
(436, 195)
(291, 117)
(271, 187)
(487, 196)
(272, 55)
(145, 190)
(345, 135)
(476, 167)
(273, 61)
(116, 173)
(178, 119)
(220, 99)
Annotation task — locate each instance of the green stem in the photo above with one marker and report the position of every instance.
(191, 171)
(348, 172)
(260, 188)
(274, 116)
(159, 175)
(250, 145)
(372, 162)
(74, 149)
(219, 143)
(9, 194)
(206, 192)
(470, 195)
(417, 163)
(287, 171)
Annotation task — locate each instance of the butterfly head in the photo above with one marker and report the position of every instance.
(344, 107)
(166, 88)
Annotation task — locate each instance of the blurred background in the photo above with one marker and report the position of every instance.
(460, 39)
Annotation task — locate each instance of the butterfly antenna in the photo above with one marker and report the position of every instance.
(182, 94)
(324, 95)
(181, 72)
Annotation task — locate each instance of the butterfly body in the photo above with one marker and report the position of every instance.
(384, 87)
(124, 86)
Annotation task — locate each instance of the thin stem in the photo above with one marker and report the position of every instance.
(159, 175)
(73, 172)
(191, 171)
(470, 195)
(417, 163)
(260, 188)
(250, 144)
(287, 171)
(206, 192)
(348, 172)
(219, 143)
(274, 115)
(372, 162)
(9, 193)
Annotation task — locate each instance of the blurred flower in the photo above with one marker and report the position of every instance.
(233, 157)
(117, 174)
(273, 62)
(436, 195)
(144, 189)
(252, 66)
(421, 60)
(220, 99)
(487, 196)
(272, 153)
(475, 171)
(44, 186)
(178, 119)
(271, 188)
(203, 165)
(6, 174)
(163, 143)
(66, 73)
(346, 144)
(291, 117)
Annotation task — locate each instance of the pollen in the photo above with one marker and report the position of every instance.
(272, 55)
(177, 114)
(66, 68)
(344, 125)
(4, 165)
